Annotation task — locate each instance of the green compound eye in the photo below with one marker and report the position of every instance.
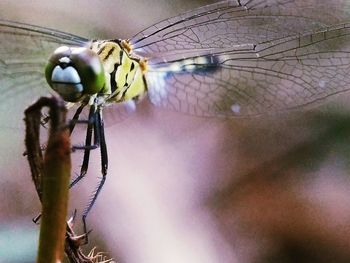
(75, 72)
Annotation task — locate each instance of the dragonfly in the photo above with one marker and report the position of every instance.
(233, 58)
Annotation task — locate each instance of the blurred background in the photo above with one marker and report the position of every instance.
(188, 189)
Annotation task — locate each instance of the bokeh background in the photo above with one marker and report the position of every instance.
(188, 189)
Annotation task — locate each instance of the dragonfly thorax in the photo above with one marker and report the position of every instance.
(124, 73)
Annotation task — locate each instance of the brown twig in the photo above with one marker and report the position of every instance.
(51, 179)
(51, 175)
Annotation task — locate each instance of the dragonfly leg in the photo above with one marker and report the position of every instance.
(99, 130)
(75, 118)
(36, 219)
(44, 121)
(88, 146)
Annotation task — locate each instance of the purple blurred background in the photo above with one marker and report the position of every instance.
(188, 189)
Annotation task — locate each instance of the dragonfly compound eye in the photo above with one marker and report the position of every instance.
(75, 72)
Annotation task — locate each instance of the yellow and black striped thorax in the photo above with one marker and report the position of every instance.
(124, 74)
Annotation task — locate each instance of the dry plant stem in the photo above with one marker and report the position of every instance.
(51, 180)
(51, 176)
(72, 246)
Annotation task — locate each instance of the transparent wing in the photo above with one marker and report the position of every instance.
(246, 58)
(24, 50)
(251, 80)
(228, 23)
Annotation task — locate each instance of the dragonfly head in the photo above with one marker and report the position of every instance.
(74, 72)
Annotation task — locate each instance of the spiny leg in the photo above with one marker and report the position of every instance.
(99, 131)
(103, 148)
(96, 126)
(88, 146)
(75, 118)
(71, 126)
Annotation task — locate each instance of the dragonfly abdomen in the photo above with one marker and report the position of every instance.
(124, 74)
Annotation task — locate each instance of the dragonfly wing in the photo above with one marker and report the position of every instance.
(246, 60)
(228, 23)
(24, 50)
(270, 77)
